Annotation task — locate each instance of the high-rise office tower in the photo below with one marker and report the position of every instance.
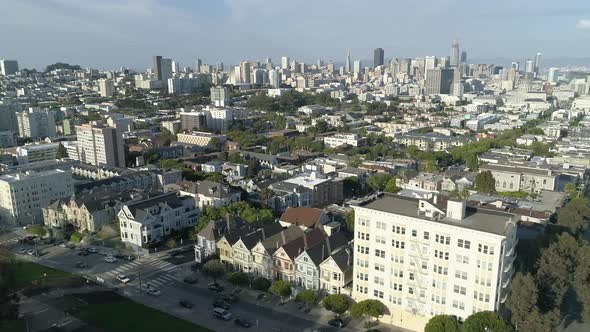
(106, 87)
(529, 67)
(553, 75)
(378, 57)
(438, 81)
(175, 67)
(445, 62)
(166, 69)
(198, 65)
(464, 57)
(537, 63)
(100, 145)
(274, 78)
(515, 65)
(8, 67)
(158, 67)
(320, 63)
(245, 72)
(330, 67)
(36, 123)
(455, 55)
(347, 67)
(219, 66)
(357, 67)
(430, 62)
(285, 62)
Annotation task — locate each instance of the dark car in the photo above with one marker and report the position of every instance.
(221, 304)
(81, 265)
(336, 322)
(83, 253)
(215, 287)
(186, 304)
(192, 279)
(229, 297)
(242, 322)
(49, 241)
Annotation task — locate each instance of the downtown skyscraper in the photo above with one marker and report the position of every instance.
(455, 54)
(378, 57)
(347, 66)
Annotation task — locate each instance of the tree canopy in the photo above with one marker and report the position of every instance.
(213, 269)
(485, 182)
(336, 303)
(486, 321)
(368, 309)
(281, 288)
(443, 323)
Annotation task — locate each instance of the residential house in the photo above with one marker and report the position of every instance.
(426, 181)
(336, 271)
(209, 193)
(284, 256)
(304, 217)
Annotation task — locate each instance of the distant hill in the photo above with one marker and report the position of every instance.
(61, 65)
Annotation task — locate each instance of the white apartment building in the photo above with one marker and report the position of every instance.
(36, 123)
(22, 195)
(220, 96)
(344, 139)
(199, 138)
(36, 152)
(423, 258)
(99, 145)
(152, 219)
(172, 126)
(106, 87)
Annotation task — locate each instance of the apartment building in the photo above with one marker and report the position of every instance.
(152, 219)
(23, 195)
(99, 145)
(337, 140)
(423, 258)
(36, 152)
(199, 138)
(324, 190)
(518, 177)
(430, 141)
(36, 123)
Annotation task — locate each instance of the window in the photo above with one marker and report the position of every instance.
(362, 276)
(441, 270)
(426, 235)
(381, 225)
(362, 249)
(363, 222)
(414, 233)
(441, 255)
(396, 287)
(461, 275)
(458, 305)
(442, 239)
(363, 236)
(399, 230)
(395, 300)
(379, 267)
(397, 259)
(464, 244)
(462, 259)
(398, 273)
(410, 290)
(378, 294)
(380, 239)
(398, 244)
(380, 253)
(362, 289)
(459, 289)
(379, 281)
(362, 262)
(412, 276)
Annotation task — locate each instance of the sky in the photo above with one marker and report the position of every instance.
(107, 34)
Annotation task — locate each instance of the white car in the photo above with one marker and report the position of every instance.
(123, 278)
(22, 251)
(110, 259)
(153, 291)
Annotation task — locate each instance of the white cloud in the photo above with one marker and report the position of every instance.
(583, 24)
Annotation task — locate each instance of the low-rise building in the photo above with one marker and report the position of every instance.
(200, 138)
(518, 177)
(337, 140)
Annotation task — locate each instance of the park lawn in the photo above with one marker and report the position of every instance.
(26, 272)
(13, 326)
(116, 316)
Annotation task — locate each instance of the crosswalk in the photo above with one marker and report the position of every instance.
(155, 272)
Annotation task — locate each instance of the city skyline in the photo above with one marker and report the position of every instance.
(109, 34)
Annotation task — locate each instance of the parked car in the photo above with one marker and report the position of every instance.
(63, 244)
(123, 278)
(186, 304)
(83, 253)
(221, 304)
(215, 287)
(192, 279)
(110, 259)
(22, 251)
(336, 322)
(49, 241)
(92, 250)
(129, 257)
(153, 291)
(81, 265)
(71, 246)
(222, 314)
(31, 252)
(229, 298)
(242, 323)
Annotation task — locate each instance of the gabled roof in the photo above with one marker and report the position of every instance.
(309, 239)
(308, 217)
(343, 258)
(319, 252)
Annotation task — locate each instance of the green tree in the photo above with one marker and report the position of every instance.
(351, 186)
(171, 243)
(582, 280)
(571, 190)
(253, 168)
(355, 161)
(367, 309)
(61, 152)
(391, 186)
(412, 151)
(486, 321)
(336, 303)
(37, 230)
(443, 323)
(215, 144)
(485, 182)
(522, 302)
(574, 216)
(261, 284)
(214, 269)
(281, 288)
(238, 278)
(307, 296)
(378, 181)
(472, 162)
(350, 221)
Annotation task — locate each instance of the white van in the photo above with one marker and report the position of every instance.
(221, 313)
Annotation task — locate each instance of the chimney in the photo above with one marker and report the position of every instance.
(323, 252)
(328, 244)
(304, 241)
(277, 244)
(434, 198)
(263, 234)
(228, 224)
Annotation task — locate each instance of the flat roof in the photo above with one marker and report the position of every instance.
(475, 218)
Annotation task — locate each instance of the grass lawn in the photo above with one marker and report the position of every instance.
(13, 326)
(113, 314)
(27, 272)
